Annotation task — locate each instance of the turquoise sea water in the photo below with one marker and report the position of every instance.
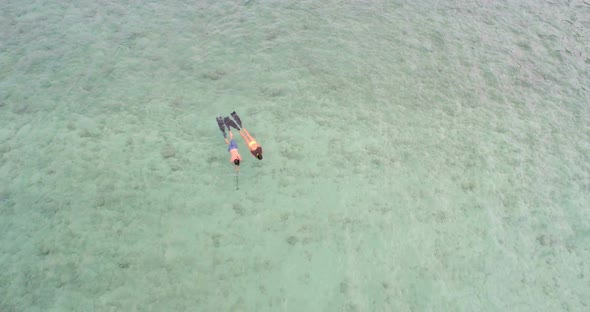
(430, 156)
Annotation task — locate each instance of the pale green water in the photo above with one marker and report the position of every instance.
(418, 157)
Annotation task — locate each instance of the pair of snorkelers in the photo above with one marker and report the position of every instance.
(253, 146)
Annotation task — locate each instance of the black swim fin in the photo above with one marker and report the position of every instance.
(237, 119)
(221, 126)
(230, 123)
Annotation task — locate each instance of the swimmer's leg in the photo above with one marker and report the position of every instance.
(248, 134)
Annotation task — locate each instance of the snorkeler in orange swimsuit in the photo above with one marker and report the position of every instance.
(253, 146)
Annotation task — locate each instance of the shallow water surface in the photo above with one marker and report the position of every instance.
(429, 156)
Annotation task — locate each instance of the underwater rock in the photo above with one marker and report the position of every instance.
(168, 151)
(214, 75)
(545, 240)
(292, 240)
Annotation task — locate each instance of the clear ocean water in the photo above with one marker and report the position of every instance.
(418, 156)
